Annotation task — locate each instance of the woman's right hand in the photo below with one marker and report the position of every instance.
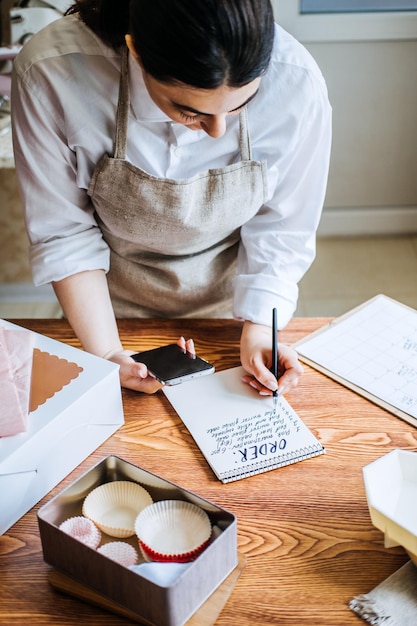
(134, 375)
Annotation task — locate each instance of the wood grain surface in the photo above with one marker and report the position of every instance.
(304, 529)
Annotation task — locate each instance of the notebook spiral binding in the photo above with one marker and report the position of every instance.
(279, 461)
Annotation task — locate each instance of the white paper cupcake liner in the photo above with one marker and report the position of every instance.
(114, 506)
(173, 530)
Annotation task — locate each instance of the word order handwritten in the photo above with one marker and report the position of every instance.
(254, 437)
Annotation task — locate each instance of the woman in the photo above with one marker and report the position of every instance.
(128, 212)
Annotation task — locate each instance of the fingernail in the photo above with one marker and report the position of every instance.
(272, 385)
(191, 348)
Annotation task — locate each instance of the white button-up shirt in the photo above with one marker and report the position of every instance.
(64, 98)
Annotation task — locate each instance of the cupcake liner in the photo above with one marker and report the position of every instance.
(120, 551)
(114, 506)
(82, 529)
(172, 530)
(183, 557)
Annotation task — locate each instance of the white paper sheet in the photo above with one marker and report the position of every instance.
(373, 350)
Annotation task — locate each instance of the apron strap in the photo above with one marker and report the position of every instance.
(122, 116)
(244, 139)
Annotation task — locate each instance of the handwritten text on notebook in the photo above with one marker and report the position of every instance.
(253, 437)
(239, 432)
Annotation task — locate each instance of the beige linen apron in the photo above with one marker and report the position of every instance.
(173, 243)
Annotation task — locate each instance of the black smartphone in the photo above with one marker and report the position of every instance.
(172, 365)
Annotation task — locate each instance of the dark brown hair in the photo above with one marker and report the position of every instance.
(203, 43)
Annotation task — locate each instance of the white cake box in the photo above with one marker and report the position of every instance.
(76, 414)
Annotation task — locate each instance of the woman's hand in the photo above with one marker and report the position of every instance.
(256, 358)
(135, 375)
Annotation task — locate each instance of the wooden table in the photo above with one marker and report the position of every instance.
(304, 529)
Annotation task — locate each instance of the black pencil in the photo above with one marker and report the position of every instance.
(275, 350)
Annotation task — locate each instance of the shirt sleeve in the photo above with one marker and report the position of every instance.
(63, 234)
(278, 243)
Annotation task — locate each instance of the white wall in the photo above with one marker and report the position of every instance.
(372, 86)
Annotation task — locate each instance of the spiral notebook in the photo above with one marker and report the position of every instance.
(238, 431)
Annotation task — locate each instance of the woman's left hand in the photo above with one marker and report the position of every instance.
(256, 358)
(135, 375)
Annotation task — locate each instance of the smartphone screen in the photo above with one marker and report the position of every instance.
(171, 365)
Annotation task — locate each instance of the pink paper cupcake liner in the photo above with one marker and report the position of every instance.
(82, 529)
(120, 551)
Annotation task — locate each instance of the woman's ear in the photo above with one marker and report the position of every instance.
(129, 43)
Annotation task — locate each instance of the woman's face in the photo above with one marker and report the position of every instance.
(198, 109)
